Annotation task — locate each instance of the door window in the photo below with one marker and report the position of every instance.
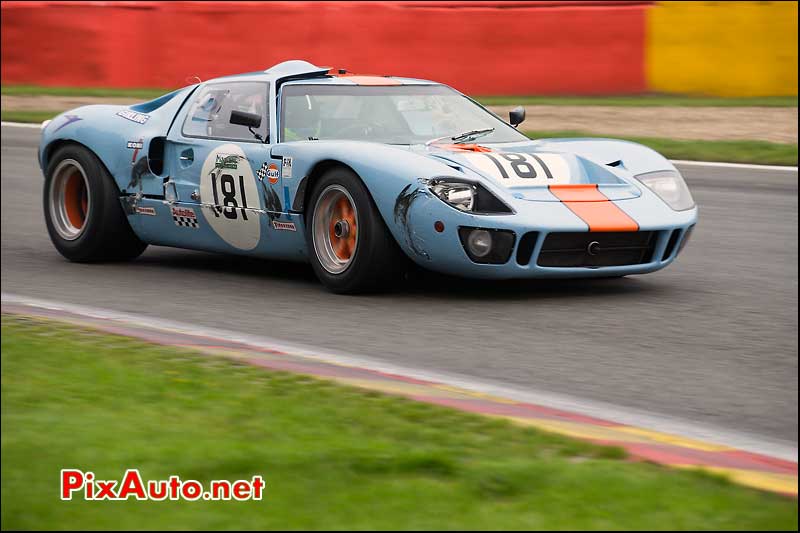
(210, 114)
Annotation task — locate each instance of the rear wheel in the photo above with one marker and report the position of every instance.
(82, 210)
(351, 249)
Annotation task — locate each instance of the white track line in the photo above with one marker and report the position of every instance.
(745, 441)
(675, 161)
(714, 164)
(20, 125)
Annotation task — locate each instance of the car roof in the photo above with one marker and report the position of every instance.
(298, 71)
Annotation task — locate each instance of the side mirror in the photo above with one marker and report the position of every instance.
(242, 118)
(516, 116)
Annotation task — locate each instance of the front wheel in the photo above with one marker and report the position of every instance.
(350, 248)
(82, 210)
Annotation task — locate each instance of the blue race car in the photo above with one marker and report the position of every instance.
(352, 173)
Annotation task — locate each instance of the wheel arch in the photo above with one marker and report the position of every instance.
(317, 171)
(51, 148)
(388, 173)
(305, 189)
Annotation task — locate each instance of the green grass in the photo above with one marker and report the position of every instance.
(623, 100)
(333, 457)
(643, 101)
(27, 116)
(35, 90)
(758, 152)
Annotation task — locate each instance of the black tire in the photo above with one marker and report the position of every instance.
(376, 261)
(103, 233)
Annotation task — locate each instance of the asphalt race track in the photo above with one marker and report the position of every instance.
(712, 339)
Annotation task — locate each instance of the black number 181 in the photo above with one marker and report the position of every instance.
(227, 186)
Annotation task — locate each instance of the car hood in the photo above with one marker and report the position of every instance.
(527, 172)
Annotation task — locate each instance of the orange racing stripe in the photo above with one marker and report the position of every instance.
(464, 147)
(364, 79)
(371, 80)
(594, 208)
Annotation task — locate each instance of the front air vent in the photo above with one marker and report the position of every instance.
(673, 240)
(526, 246)
(686, 238)
(597, 249)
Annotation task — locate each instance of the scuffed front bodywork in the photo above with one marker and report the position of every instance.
(402, 206)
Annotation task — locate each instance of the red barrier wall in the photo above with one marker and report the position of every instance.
(480, 48)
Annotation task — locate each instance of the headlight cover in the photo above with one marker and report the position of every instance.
(468, 197)
(459, 195)
(670, 187)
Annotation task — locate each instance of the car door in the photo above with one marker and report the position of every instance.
(215, 184)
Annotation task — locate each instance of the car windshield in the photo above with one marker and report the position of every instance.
(401, 114)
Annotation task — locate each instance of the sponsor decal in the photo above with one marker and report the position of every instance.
(149, 211)
(283, 226)
(135, 146)
(230, 161)
(270, 171)
(185, 217)
(70, 120)
(133, 116)
(286, 170)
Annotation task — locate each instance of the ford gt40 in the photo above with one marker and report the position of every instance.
(354, 174)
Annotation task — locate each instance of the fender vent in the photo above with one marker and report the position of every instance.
(155, 155)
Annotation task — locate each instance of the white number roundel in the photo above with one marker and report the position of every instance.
(228, 183)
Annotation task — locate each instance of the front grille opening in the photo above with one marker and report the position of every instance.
(597, 249)
(673, 240)
(686, 238)
(526, 245)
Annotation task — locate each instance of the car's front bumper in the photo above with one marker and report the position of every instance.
(444, 251)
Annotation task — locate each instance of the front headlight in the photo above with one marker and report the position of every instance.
(670, 187)
(467, 197)
(459, 195)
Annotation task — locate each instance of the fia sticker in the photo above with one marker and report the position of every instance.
(283, 226)
(133, 116)
(185, 217)
(149, 211)
(286, 171)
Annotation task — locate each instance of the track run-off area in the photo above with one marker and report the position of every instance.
(706, 348)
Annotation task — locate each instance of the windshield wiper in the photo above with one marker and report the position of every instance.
(463, 137)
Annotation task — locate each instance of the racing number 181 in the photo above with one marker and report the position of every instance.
(519, 164)
(227, 186)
